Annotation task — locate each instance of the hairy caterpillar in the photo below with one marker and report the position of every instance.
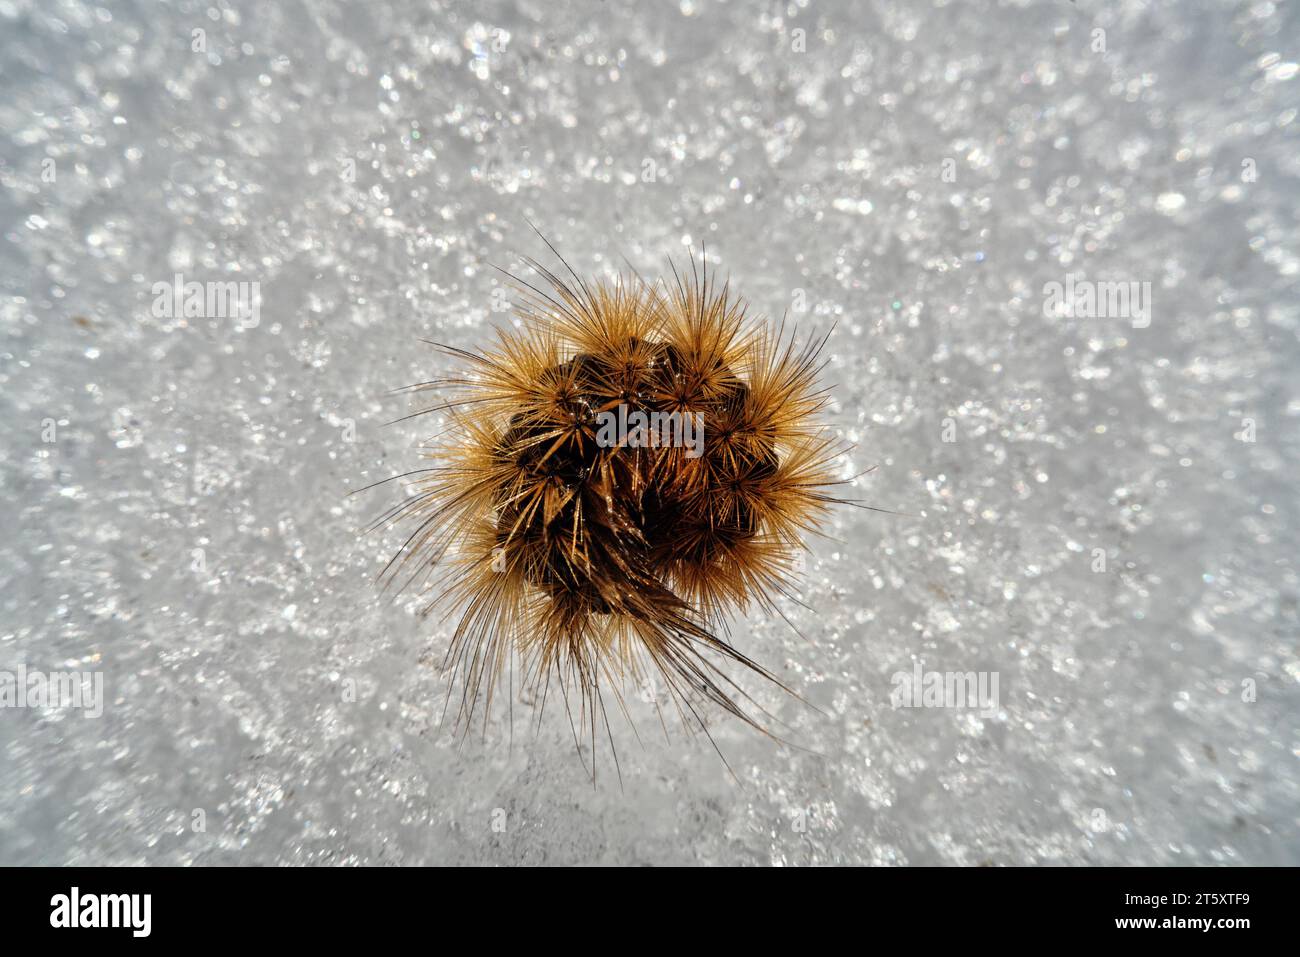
(623, 468)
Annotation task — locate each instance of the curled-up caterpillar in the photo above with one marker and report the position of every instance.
(625, 467)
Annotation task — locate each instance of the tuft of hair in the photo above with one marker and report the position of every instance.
(602, 564)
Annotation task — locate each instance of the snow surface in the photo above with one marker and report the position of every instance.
(188, 534)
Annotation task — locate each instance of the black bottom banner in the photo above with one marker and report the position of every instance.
(1218, 908)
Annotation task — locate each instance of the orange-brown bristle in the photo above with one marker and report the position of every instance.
(592, 560)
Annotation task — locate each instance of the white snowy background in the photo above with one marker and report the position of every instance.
(912, 171)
